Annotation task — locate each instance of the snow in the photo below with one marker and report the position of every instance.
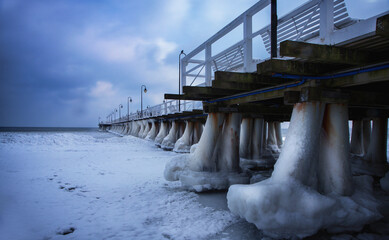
(300, 211)
(95, 185)
(308, 192)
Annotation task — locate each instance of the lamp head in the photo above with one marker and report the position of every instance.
(145, 90)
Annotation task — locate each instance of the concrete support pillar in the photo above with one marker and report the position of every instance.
(228, 156)
(334, 174)
(215, 162)
(203, 159)
(147, 128)
(376, 153)
(251, 139)
(184, 143)
(142, 128)
(153, 131)
(366, 135)
(245, 138)
(278, 133)
(163, 132)
(299, 155)
(197, 131)
(169, 141)
(356, 146)
(257, 138)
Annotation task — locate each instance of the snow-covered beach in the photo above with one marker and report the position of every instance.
(96, 185)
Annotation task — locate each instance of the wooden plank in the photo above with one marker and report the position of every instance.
(186, 97)
(250, 108)
(294, 67)
(382, 27)
(325, 53)
(208, 91)
(247, 78)
(241, 86)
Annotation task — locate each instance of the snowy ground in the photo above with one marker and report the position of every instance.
(96, 185)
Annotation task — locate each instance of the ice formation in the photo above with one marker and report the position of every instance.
(174, 133)
(191, 136)
(251, 139)
(376, 153)
(311, 187)
(274, 136)
(163, 132)
(153, 131)
(214, 164)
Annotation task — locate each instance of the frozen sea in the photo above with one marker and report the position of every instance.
(88, 184)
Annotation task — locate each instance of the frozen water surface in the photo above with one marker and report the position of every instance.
(97, 185)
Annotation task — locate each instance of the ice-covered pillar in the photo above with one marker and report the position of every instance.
(184, 143)
(203, 159)
(228, 159)
(299, 156)
(356, 146)
(376, 153)
(153, 131)
(366, 135)
(169, 141)
(136, 128)
(278, 133)
(257, 138)
(147, 128)
(334, 170)
(272, 137)
(245, 138)
(163, 132)
(197, 131)
(142, 128)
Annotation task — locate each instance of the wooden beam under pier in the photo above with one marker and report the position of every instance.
(326, 53)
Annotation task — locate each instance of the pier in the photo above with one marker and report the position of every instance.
(324, 70)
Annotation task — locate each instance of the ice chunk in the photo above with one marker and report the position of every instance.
(287, 209)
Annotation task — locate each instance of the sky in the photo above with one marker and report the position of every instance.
(65, 63)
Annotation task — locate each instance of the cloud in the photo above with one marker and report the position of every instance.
(102, 89)
(122, 49)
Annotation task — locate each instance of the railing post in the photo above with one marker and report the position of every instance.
(248, 43)
(208, 65)
(326, 20)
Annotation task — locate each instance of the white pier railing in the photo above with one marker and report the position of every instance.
(316, 18)
(316, 21)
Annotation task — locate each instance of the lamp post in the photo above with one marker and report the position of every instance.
(141, 99)
(179, 79)
(129, 100)
(115, 111)
(99, 119)
(120, 114)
